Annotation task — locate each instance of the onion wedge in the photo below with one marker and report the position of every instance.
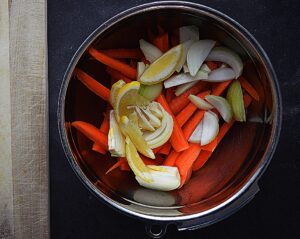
(225, 55)
(222, 105)
(196, 135)
(150, 51)
(210, 127)
(221, 74)
(235, 99)
(197, 53)
(200, 103)
(185, 47)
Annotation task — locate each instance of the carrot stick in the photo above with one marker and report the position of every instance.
(219, 88)
(183, 116)
(212, 65)
(171, 158)
(179, 102)
(185, 161)
(91, 132)
(177, 139)
(148, 161)
(99, 148)
(170, 94)
(249, 88)
(113, 63)
(162, 42)
(165, 149)
(125, 166)
(191, 125)
(123, 53)
(201, 160)
(92, 84)
(116, 165)
(117, 75)
(104, 127)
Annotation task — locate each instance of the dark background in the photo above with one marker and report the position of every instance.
(274, 212)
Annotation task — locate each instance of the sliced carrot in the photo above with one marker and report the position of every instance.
(117, 75)
(123, 53)
(179, 102)
(177, 139)
(125, 166)
(185, 161)
(212, 65)
(183, 116)
(219, 88)
(148, 161)
(162, 42)
(191, 125)
(125, 69)
(201, 160)
(99, 148)
(104, 127)
(170, 94)
(171, 158)
(249, 88)
(156, 150)
(165, 149)
(116, 165)
(92, 84)
(91, 132)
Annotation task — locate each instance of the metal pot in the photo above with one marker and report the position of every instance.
(229, 180)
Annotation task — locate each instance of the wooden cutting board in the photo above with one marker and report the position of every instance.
(23, 121)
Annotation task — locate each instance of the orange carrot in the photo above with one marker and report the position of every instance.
(92, 84)
(171, 158)
(185, 161)
(99, 148)
(165, 149)
(201, 160)
(125, 166)
(148, 161)
(212, 65)
(104, 127)
(116, 165)
(162, 42)
(177, 139)
(170, 94)
(113, 63)
(188, 111)
(123, 53)
(179, 102)
(156, 150)
(191, 125)
(117, 75)
(91, 132)
(249, 88)
(219, 88)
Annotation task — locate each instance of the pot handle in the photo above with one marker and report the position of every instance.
(156, 230)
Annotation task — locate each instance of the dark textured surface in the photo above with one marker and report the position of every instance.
(274, 212)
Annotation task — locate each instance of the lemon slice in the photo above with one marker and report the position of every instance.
(114, 91)
(163, 67)
(126, 96)
(136, 136)
(136, 163)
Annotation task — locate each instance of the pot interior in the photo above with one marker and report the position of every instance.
(233, 163)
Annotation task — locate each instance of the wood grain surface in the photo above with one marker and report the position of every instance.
(26, 214)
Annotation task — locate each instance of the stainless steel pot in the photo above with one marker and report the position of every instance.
(229, 180)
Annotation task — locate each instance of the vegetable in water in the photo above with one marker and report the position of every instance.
(235, 99)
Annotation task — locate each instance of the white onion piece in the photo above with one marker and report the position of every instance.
(140, 68)
(185, 68)
(153, 120)
(205, 67)
(210, 127)
(185, 47)
(200, 103)
(188, 33)
(150, 51)
(143, 121)
(196, 135)
(116, 141)
(222, 105)
(227, 56)
(182, 88)
(179, 80)
(197, 53)
(220, 75)
(164, 178)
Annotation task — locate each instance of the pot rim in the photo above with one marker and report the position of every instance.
(275, 133)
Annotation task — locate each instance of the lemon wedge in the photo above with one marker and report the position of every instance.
(136, 163)
(114, 91)
(163, 67)
(136, 136)
(126, 96)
